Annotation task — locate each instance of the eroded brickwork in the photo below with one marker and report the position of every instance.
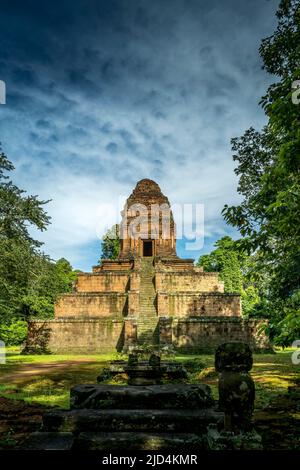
(94, 305)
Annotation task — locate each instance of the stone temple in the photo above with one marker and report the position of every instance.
(147, 296)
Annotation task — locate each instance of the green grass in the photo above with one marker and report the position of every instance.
(46, 379)
(21, 377)
(13, 355)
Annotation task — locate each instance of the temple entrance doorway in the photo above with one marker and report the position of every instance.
(147, 248)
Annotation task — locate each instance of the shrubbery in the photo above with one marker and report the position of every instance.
(13, 333)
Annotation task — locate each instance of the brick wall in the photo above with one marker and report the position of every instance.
(204, 335)
(102, 282)
(76, 336)
(188, 282)
(113, 265)
(133, 305)
(182, 304)
(189, 335)
(91, 305)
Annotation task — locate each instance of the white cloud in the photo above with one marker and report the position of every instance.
(168, 89)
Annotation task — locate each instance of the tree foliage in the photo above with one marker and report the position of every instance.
(29, 280)
(17, 210)
(111, 243)
(235, 269)
(225, 260)
(268, 163)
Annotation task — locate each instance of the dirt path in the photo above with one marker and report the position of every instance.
(22, 371)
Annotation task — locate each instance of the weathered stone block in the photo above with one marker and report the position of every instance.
(114, 420)
(48, 441)
(169, 396)
(236, 386)
(234, 356)
(236, 393)
(225, 440)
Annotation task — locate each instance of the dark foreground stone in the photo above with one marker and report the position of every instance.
(234, 356)
(48, 441)
(226, 440)
(138, 441)
(170, 396)
(131, 420)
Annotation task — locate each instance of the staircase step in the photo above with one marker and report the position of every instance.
(138, 441)
(48, 441)
(130, 420)
(147, 320)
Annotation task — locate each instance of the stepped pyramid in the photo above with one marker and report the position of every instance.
(147, 296)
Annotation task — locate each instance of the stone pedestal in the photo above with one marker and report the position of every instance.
(233, 361)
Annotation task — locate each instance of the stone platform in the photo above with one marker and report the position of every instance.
(130, 417)
(145, 373)
(143, 397)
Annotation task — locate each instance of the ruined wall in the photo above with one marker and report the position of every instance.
(176, 265)
(91, 305)
(198, 335)
(102, 282)
(75, 336)
(183, 304)
(113, 265)
(188, 282)
(189, 335)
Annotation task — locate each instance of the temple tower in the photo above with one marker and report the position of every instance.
(147, 228)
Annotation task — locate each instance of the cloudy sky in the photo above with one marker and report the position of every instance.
(102, 93)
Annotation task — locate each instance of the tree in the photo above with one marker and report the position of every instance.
(236, 271)
(224, 260)
(17, 248)
(48, 280)
(29, 280)
(18, 211)
(111, 243)
(269, 179)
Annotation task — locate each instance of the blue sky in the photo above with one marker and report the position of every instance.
(103, 93)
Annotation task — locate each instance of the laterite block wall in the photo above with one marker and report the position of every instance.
(90, 305)
(184, 304)
(76, 336)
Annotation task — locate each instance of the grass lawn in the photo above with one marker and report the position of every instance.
(46, 379)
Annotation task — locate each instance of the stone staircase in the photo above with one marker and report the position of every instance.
(147, 319)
